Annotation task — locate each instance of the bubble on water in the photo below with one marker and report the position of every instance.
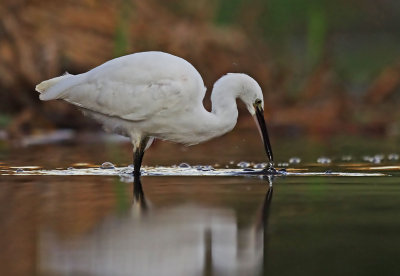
(347, 158)
(243, 164)
(231, 162)
(324, 160)
(207, 168)
(226, 166)
(368, 158)
(294, 160)
(379, 156)
(376, 160)
(328, 171)
(107, 166)
(184, 165)
(19, 170)
(260, 165)
(393, 157)
(70, 168)
(283, 164)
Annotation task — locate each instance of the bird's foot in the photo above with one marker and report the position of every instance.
(270, 170)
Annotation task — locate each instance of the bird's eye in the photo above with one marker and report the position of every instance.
(258, 102)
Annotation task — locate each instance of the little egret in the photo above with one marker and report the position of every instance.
(152, 95)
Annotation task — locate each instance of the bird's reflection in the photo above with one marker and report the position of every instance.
(267, 203)
(266, 209)
(261, 228)
(183, 239)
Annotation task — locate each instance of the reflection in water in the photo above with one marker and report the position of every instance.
(183, 239)
(264, 224)
(138, 195)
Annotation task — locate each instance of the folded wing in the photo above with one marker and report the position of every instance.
(119, 89)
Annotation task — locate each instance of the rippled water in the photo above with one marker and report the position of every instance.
(62, 214)
(198, 170)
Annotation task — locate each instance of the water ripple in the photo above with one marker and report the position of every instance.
(186, 171)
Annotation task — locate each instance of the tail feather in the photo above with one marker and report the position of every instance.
(44, 85)
(54, 88)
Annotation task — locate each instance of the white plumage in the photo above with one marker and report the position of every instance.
(155, 95)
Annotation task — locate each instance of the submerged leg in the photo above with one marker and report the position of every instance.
(137, 159)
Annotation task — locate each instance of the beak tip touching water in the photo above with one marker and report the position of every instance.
(263, 131)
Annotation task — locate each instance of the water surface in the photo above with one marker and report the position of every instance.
(337, 218)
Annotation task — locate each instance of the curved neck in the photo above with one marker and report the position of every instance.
(223, 98)
(204, 125)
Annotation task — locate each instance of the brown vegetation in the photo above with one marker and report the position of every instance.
(41, 39)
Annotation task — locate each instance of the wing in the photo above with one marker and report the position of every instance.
(124, 99)
(131, 88)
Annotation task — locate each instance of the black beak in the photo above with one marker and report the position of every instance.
(263, 131)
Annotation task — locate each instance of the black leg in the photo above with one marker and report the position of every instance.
(138, 194)
(137, 163)
(137, 159)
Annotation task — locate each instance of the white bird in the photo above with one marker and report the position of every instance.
(152, 95)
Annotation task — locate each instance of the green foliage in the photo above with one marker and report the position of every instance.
(228, 11)
(316, 33)
(300, 33)
(358, 58)
(121, 39)
(281, 18)
(4, 120)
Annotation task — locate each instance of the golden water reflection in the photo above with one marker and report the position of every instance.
(94, 226)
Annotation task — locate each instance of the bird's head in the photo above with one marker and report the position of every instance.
(252, 96)
(249, 91)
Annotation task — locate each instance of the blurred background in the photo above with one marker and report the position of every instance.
(326, 67)
(330, 73)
